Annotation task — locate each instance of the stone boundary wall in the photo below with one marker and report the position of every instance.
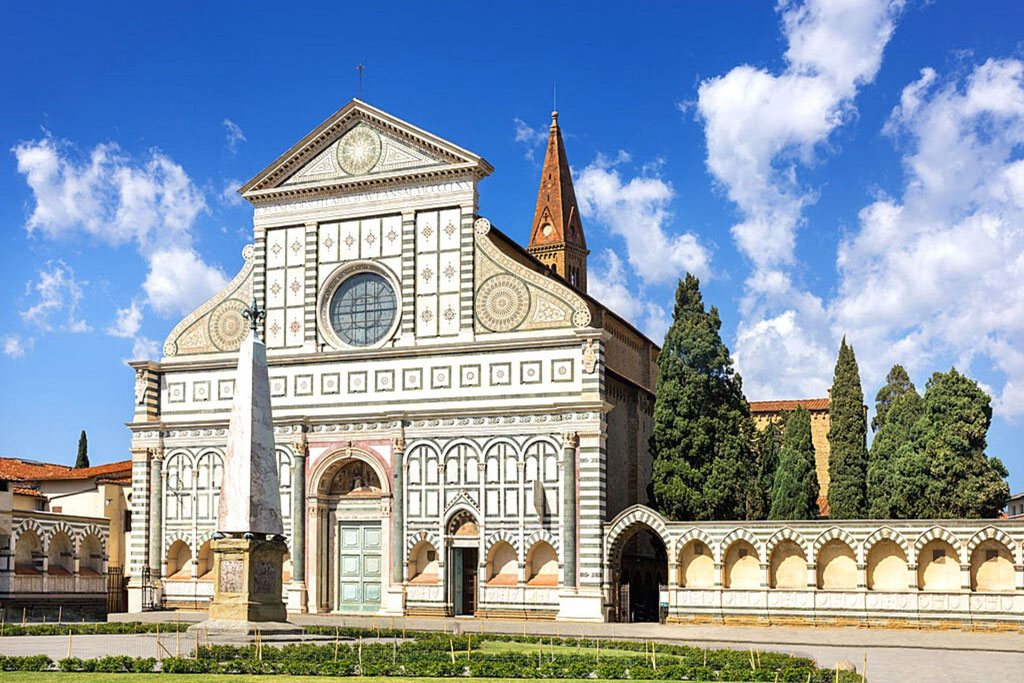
(913, 573)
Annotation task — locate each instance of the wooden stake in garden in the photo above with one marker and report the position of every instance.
(451, 644)
(752, 667)
(158, 642)
(60, 614)
(69, 642)
(598, 660)
(864, 669)
(177, 640)
(195, 653)
(469, 646)
(336, 635)
(360, 655)
(22, 616)
(654, 657)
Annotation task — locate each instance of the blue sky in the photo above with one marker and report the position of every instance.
(827, 168)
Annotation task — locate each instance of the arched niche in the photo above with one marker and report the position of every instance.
(28, 554)
(837, 566)
(887, 566)
(179, 561)
(61, 555)
(742, 567)
(90, 556)
(204, 562)
(424, 564)
(541, 565)
(349, 473)
(502, 565)
(938, 567)
(992, 567)
(788, 566)
(696, 565)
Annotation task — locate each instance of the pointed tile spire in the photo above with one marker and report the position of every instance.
(556, 238)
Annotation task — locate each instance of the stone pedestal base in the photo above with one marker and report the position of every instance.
(228, 630)
(297, 596)
(585, 604)
(247, 580)
(394, 602)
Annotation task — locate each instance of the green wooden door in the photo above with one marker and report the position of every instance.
(359, 566)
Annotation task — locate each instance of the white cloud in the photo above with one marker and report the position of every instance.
(530, 137)
(608, 282)
(16, 346)
(759, 125)
(57, 295)
(114, 200)
(179, 280)
(128, 322)
(760, 128)
(637, 210)
(233, 134)
(936, 276)
(144, 349)
(229, 195)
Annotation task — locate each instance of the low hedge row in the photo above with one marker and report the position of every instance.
(112, 665)
(91, 628)
(29, 663)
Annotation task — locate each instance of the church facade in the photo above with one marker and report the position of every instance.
(455, 417)
(461, 430)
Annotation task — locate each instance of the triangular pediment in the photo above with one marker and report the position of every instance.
(360, 145)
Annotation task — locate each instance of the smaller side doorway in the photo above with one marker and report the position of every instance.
(464, 577)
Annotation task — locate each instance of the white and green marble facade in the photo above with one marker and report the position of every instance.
(490, 377)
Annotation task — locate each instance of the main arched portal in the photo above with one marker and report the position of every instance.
(638, 562)
(349, 491)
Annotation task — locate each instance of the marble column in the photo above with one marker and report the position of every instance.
(398, 510)
(297, 586)
(569, 443)
(156, 511)
(394, 596)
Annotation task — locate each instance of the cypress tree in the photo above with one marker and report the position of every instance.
(765, 450)
(897, 383)
(949, 441)
(702, 426)
(847, 437)
(894, 477)
(83, 451)
(795, 493)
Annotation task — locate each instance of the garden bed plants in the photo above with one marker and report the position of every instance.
(395, 654)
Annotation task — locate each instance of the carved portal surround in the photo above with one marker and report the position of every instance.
(347, 484)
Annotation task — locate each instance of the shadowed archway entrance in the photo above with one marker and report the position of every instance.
(639, 571)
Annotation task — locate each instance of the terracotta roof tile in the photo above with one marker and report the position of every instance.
(14, 469)
(791, 404)
(25, 491)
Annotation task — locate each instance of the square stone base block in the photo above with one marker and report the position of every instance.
(231, 630)
(247, 580)
(580, 605)
(394, 602)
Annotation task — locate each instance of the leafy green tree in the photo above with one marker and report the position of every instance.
(897, 383)
(949, 439)
(702, 426)
(795, 493)
(83, 451)
(847, 437)
(765, 451)
(894, 477)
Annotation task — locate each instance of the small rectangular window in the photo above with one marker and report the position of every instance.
(991, 555)
(431, 556)
(938, 554)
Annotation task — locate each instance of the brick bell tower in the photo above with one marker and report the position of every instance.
(556, 239)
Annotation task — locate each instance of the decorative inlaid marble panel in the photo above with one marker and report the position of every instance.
(231, 576)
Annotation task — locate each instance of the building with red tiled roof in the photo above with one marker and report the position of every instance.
(101, 491)
(765, 412)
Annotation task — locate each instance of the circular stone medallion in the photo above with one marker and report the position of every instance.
(359, 150)
(503, 302)
(227, 326)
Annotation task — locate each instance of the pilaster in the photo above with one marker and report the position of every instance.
(297, 585)
(408, 273)
(309, 287)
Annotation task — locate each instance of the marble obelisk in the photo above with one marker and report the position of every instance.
(249, 547)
